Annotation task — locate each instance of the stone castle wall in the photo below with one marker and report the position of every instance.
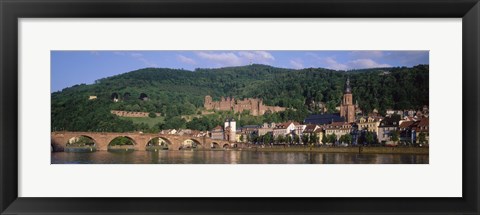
(255, 106)
(131, 113)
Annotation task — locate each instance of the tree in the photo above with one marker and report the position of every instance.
(314, 138)
(342, 139)
(324, 139)
(152, 115)
(369, 137)
(348, 138)
(422, 138)
(174, 123)
(332, 138)
(305, 138)
(253, 137)
(136, 107)
(289, 139)
(241, 138)
(267, 138)
(120, 141)
(280, 139)
(296, 139)
(394, 136)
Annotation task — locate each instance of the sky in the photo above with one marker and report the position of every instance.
(69, 68)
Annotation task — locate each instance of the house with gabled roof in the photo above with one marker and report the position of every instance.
(285, 129)
(338, 128)
(217, 133)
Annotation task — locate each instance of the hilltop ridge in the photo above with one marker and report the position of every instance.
(177, 92)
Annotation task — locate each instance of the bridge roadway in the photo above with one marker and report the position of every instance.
(60, 139)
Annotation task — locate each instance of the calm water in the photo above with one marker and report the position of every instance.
(231, 157)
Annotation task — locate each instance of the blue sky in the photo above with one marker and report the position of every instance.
(75, 67)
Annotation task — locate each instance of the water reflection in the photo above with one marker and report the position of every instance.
(231, 157)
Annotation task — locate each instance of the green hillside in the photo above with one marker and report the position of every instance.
(176, 93)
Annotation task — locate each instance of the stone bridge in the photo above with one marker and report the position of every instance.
(59, 140)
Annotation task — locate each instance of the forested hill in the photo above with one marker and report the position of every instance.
(174, 92)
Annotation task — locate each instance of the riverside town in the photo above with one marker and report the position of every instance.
(241, 107)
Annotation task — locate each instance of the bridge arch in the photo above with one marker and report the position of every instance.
(81, 143)
(75, 143)
(158, 142)
(81, 139)
(215, 145)
(122, 142)
(54, 146)
(190, 143)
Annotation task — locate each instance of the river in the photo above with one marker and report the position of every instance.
(231, 157)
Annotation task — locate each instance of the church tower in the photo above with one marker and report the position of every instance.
(347, 108)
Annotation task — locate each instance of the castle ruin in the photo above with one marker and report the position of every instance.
(255, 106)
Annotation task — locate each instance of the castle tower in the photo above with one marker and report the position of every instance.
(233, 130)
(260, 108)
(207, 102)
(347, 108)
(226, 124)
(230, 130)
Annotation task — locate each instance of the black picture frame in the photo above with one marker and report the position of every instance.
(12, 10)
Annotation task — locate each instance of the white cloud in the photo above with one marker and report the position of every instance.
(222, 59)
(139, 57)
(365, 63)
(248, 55)
(333, 64)
(362, 63)
(237, 58)
(186, 60)
(257, 56)
(265, 55)
(297, 64)
(328, 62)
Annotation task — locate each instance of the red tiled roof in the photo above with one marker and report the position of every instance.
(337, 124)
(423, 122)
(406, 124)
(285, 124)
(318, 130)
(310, 128)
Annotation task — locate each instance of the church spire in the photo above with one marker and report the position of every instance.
(347, 86)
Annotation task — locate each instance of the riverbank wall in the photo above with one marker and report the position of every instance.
(357, 150)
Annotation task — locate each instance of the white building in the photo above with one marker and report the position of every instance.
(285, 129)
(299, 129)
